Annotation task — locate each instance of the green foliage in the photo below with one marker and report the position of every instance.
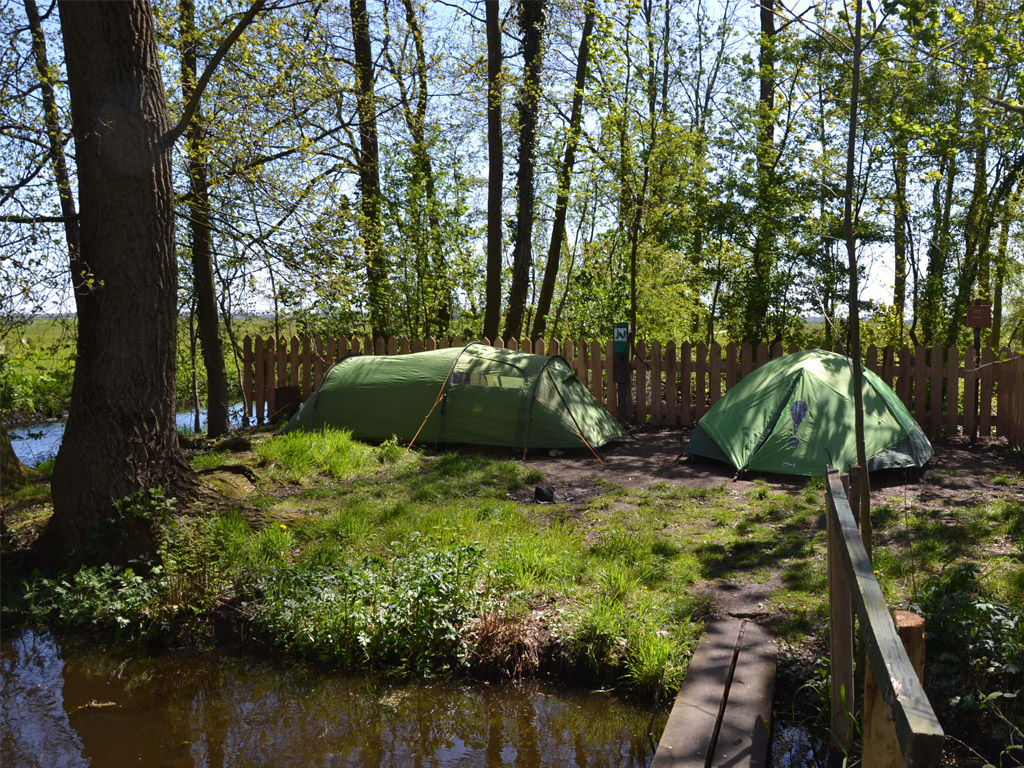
(108, 598)
(407, 609)
(976, 646)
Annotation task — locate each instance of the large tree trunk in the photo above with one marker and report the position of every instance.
(12, 471)
(531, 21)
(369, 172)
(547, 288)
(495, 173)
(198, 202)
(120, 437)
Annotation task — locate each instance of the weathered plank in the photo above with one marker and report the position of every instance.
(687, 738)
(917, 729)
(745, 732)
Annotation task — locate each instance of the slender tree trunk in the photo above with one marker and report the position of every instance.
(369, 173)
(547, 288)
(495, 173)
(901, 223)
(758, 295)
(198, 204)
(851, 253)
(938, 251)
(531, 21)
(1009, 215)
(120, 436)
(79, 272)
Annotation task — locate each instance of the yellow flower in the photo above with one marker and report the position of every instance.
(285, 528)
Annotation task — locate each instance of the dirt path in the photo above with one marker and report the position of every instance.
(958, 474)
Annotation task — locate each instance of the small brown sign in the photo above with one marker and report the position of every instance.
(979, 316)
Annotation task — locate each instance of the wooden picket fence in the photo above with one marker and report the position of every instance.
(676, 384)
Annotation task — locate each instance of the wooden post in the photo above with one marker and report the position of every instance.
(881, 747)
(259, 387)
(248, 363)
(840, 639)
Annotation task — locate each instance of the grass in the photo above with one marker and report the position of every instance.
(341, 539)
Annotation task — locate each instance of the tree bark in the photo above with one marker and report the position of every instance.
(12, 471)
(120, 436)
(198, 204)
(531, 23)
(547, 288)
(369, 173)
(495, 174)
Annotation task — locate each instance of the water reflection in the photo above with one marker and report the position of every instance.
(72, 708)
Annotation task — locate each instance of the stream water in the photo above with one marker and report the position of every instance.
(38, 442)
(65, 706)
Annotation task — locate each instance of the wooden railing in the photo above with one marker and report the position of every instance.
(910, 725)
(672, 384)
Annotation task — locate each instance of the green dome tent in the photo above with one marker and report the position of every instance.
(475, 394)
(795, 416)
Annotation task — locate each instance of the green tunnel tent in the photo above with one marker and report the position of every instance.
(795, 416)
(488, 396)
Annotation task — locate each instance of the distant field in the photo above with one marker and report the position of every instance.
(38, 364)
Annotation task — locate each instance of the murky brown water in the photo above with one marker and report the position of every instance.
(65, 707)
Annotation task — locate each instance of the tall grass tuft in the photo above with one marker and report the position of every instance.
(332, 452)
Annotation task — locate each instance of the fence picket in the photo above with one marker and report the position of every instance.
(715, 374)
(685, 397)
(987, 374)
(672, 384)
(307, 368)
(259, 388)
(657, 388)
(952, 382)
(700, 384)
(640, 364)
(935, 411)
(671, 412)
(970, 409)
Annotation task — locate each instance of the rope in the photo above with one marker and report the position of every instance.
(440, 397)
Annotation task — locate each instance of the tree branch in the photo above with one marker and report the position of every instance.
(1018, 108)
(37, 219)
(193, 103)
